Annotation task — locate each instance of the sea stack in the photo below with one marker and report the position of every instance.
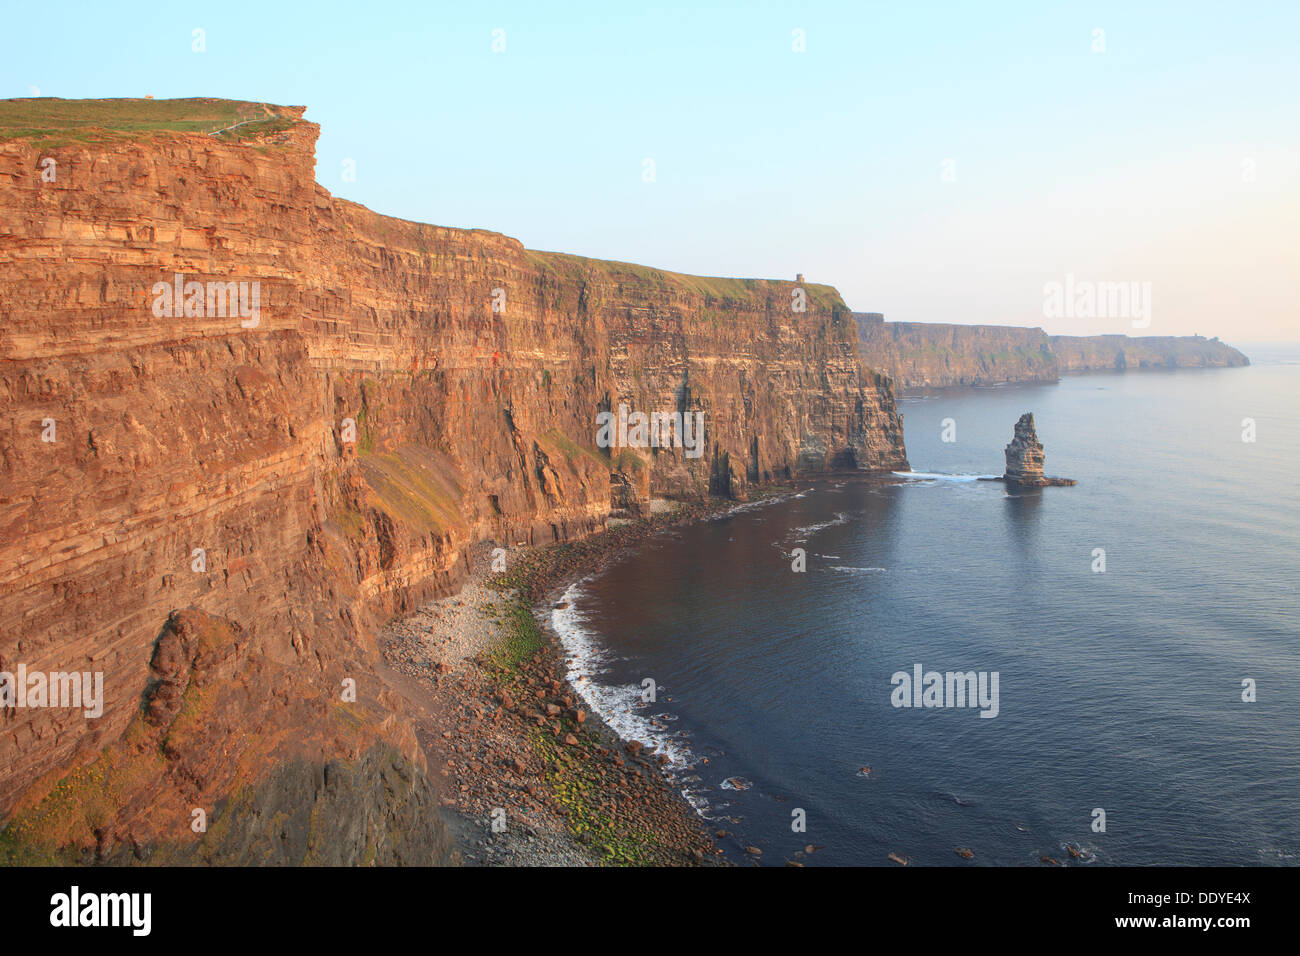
(1025, 458)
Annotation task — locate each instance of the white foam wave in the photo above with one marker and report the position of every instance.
(936, 477)
(806, 530)
(748, 506)
(619, 705)
(858, 570)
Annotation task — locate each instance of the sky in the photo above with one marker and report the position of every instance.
(937, 162)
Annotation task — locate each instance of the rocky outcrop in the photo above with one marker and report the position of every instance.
(1024, 454)
(375, 810)
(1025, 458)
(919, 355)
(303, 473)
(233, 759)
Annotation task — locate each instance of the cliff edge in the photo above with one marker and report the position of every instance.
(249, 421)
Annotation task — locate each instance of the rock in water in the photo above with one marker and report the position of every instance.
(1025, 458)
(1025, 454)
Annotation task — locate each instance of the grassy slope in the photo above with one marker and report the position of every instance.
(49, 121)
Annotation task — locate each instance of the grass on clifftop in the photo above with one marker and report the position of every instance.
(580, 267)
(51, 121)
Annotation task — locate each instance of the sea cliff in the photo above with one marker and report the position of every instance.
(217, 506)
(937, 355)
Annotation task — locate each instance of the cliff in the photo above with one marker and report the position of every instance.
(932, 355)
(1076, 353)
(936, 355)
(296, 469)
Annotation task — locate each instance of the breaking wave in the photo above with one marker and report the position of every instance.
(934, 477)
(806, 530)
(618, 705)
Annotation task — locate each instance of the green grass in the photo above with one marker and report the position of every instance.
(576, 786)
(408, 487)
(629, 461)
(523, 639)
(571, 449)
(57, 827)
(721, 289)
(50, 121)
(366, 442)
(256, 129)
(350, 521)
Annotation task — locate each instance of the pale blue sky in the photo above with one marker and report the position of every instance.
(1172, 158)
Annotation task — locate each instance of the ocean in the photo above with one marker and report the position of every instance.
(1128, 622)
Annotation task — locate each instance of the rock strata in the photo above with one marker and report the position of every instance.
(923, 355)
(297, 477)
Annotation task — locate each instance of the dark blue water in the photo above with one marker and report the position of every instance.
(1119, 690)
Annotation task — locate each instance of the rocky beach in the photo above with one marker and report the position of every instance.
(516, 745)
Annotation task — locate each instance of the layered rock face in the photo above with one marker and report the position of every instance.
(1024, 454)
(938, 355)
(1088, 353)
(303, 468)
(1025, 458)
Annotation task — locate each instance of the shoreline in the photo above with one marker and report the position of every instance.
(527, 776)
(677, 764)
(506, 732)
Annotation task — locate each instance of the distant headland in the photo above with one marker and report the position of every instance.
(937, 355)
